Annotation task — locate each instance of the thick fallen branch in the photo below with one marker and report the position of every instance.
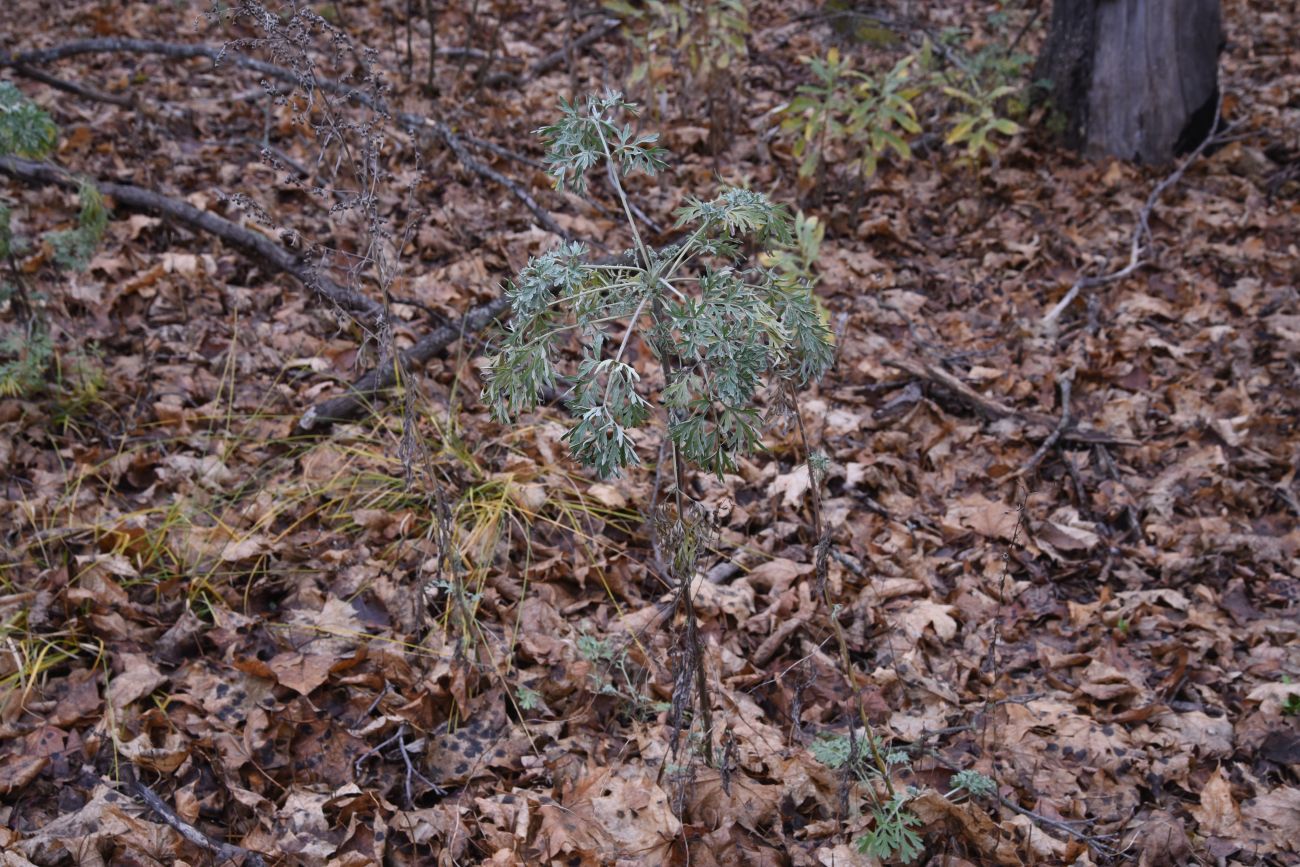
(360, 398)
(261, 249)
(254, 245)
(417, 124)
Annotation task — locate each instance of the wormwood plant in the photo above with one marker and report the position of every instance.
(893, 832)
(718, 328)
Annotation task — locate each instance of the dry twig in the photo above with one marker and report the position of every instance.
(1141, 240)
(417, 124)
(222, 852)
(1065, 382)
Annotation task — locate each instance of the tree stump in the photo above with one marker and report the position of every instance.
(1136, 79)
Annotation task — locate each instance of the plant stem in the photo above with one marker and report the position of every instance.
(612, 172)
(823, 550)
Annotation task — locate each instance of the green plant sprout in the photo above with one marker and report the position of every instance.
(975, 125)
(27, 350)
(892, 833)
(717, 328)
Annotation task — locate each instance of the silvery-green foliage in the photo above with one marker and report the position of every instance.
(720, 327)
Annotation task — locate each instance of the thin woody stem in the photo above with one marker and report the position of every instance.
(823, 549)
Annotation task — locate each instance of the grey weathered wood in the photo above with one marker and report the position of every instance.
(1129, 75)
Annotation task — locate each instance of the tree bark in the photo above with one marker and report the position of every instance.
(1136, 79)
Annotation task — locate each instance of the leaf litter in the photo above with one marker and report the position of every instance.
(270, 634)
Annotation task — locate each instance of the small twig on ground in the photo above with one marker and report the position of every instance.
(1141, 240)
(462, 155)
(88, 93)
(996, 409)
(221, 851)
(1065, 382)
(1092, 840)
(181, 51)
(399, 738)
(361, 396)
(261, 249)
(560, 56)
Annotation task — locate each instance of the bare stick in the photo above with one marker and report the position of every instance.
(276, 258)
(560, 56)
(1065, 383)
(80, 90)
(361, 396)
(1141, 240)
(996, 409)
(221, 851)
(1064, 827)
(821, 557)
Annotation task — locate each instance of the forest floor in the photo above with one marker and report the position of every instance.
(215, 633)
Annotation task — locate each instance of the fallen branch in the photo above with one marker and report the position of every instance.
(254, 245)
(1095, 841)
(561, 55)
(1141, 240)
(995, 409)
(261, 249)
(78, 90)
(360, 397)
(417, 124)
(222, 852)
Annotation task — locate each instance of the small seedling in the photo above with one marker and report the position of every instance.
(869, 115)
(1291, 705)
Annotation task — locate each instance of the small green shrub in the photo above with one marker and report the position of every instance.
(25, 129)
(843, 106)
(892, 834)
(73, 248)
(862, 118)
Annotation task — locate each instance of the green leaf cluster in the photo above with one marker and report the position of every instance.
(73, 248)
(892, 833)
(25, 129)
(870, 115)
(27, 350)
(974, 125)
(719, 327)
